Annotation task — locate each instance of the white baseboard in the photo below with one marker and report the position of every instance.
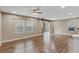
(19, 38)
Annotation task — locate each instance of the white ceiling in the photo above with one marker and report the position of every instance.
(48, 11)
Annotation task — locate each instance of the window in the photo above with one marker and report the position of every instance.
(22, 26)
(29, 26)
(71, 25)
(19, 26)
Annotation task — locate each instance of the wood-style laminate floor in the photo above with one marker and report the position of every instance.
(58, 44)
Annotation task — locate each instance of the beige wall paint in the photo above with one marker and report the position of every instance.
(60, 27)
(77, 23)
(0, 27)
(8, 26)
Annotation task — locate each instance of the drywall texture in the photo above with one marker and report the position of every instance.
(0, 28)
(8, 26)
(63, 26)
(60, 27)
(77, 23)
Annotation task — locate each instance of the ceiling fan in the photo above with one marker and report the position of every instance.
(34, 10)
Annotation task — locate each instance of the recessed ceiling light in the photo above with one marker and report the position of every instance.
(70, 13)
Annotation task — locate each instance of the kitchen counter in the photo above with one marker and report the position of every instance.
(75, 43)
(75, 35)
